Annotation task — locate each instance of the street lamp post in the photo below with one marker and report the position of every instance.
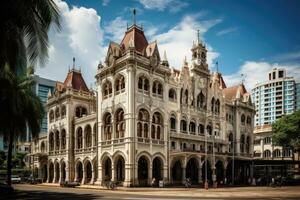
(233, 149)
(206, 183)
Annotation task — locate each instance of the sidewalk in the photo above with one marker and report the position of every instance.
(249, 192)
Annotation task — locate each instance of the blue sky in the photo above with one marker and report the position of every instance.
(245, 37)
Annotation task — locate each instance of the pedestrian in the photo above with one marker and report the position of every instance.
(153, 182)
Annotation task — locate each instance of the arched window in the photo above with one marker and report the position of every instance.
(173, 123)
(201, 129)
(51, 141)
(57, 114)
(107, 127)
(286, 153)
(106, 89)
(217, 107)
(120, 123)
(186, 95)
(183, 126)
(43, 147)
(157, 89)
(243, 119)
(63, 139)
(242, 143)
(143, 123)
(201, 100)
(212, 104)
(157, 126)
(120, 84)
(192, 128)
(80, 111)
(267, 140)
(88, 136)
(57, 140)
(51, 116)
(172, 95)
(267, 154)
(248, 144)
(143, 84)
(276, 153)
(79, 138)
(248, 120)
(63, 111)
(209, 129)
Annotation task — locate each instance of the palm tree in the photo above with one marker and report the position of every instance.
(24, 27)
(20, 107)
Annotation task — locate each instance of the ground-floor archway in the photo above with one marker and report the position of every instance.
(220, 172)
(63, 171)
(44, 173)
(79, 171)
(192, 170)
(51, 172)
(157, 169)
(176, 172)
(143, 171)
(57, 172)
(88, 172)
(120, 169)
(106, 169)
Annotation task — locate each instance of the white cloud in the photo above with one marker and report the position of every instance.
(161, 5)
(115, 29)
(80, 37)
(179, 39)
(226, 31)
(257, 72)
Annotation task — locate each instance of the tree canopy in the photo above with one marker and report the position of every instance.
(287, 131)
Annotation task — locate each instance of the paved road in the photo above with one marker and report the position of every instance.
(32, 192)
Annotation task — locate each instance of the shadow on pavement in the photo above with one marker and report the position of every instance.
(37, 195)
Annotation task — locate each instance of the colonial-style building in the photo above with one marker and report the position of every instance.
(147, 120)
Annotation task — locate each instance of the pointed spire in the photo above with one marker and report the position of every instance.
(73, 62)
(165, 56)
(49, 93)
(198, 36)
(134, 16)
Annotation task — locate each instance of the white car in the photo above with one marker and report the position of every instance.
(15, 179)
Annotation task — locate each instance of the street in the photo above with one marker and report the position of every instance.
(34, 192)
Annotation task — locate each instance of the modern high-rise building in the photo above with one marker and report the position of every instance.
(275, 97)
(278, 96)
(41, 87)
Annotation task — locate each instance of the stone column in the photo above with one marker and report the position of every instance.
(93, 175)
(60, 173)
(67, 178)
(113, 173)
(55, 174)
(150, 172)
(83, 175)
(200, 175)
(183, 174)
(48, 173)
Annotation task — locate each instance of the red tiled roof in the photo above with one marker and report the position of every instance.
(74, 80)
(138, 37)
(230, 93)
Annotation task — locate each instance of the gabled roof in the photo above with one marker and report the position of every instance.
(73, 80)
(134, 37)
(234, 92)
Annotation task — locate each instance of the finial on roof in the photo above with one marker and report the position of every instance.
(134, 14)
(217, 66)
(142, 26)
(198, 36)
(49, 93)
(127, 25)
(73, 62)
(243, 79)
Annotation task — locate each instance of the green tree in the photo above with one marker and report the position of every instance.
(287, 132)
(24, 31)
(20, 107)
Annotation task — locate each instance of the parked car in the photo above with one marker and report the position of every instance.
(33, 180)
(15, 179)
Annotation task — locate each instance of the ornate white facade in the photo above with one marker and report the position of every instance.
(147, 120)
